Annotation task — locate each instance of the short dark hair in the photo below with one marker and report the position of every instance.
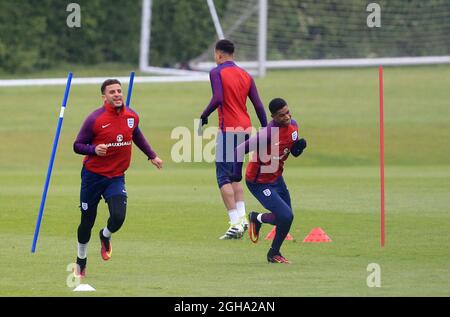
(276, 104)
(107, 83)
(225, 46)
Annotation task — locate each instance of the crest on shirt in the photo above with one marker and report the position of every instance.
(130, 122)
(294, 135)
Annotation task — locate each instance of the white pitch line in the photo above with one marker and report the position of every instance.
(99, 80)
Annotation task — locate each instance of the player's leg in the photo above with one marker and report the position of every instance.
(223, 172)
(284, 218)
(283, 191)
(115, 197)
(259, 218)
(239, 137)
(281, 216)
(256, 219)
(84, 235)
(240, 204)
(235, 231)
(90, 194)
(288, 217)
(227, 194)
(117, 206)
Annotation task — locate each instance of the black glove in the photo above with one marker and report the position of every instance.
(204, 120)
(298, 147)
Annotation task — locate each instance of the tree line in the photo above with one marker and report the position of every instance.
(34, 34)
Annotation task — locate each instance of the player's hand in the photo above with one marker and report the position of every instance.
(298, 147)
(204, 120)
(157, 162)
(101, 149)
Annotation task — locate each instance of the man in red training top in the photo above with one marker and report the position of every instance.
(231, 85)
(105, 139)
(272, 146)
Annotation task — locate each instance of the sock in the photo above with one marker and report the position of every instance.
(106, 233)
(259, 218)
(240, 206)
(82, 250)
(234, 217)
(267, 217)
(82, 263)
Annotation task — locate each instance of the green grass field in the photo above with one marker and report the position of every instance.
(169, 243)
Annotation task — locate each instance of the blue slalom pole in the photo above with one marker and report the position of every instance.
(130, 89)
(50, 164)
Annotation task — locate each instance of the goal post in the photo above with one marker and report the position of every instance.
(145, 44)
(146, 22)
(215, 18)
(262, 37)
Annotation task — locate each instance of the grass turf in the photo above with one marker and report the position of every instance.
(168, 245)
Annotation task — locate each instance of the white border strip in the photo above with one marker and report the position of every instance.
(99, 80)
(198, 76)
(170, 71)
(344, 62)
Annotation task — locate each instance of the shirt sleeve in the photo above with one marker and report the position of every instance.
(82, 144)
(258, 142)
(257, 103)
(299, 145)
(217, 93)
(142, 144)
(294, 123)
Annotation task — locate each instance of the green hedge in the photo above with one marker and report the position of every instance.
(34, 34)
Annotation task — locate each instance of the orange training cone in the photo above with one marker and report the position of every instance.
(317, 235)
(272, 233)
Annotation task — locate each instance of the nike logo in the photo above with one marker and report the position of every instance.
(106, 125)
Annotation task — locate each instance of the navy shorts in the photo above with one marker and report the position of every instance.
(273, 196)
(226, 142)
(94, 186)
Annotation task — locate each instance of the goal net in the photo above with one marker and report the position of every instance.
(309, 33)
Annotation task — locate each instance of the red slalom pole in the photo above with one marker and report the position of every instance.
(381, 92)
